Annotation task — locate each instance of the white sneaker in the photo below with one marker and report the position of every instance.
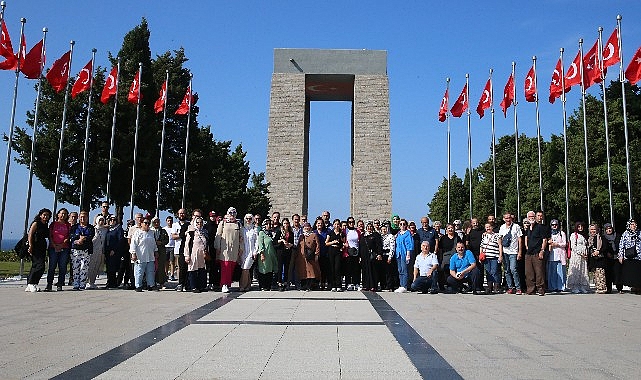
(350, 287)
(400, 290)
(28, 288)
(225, 289)
(359, 288)
(37, 288)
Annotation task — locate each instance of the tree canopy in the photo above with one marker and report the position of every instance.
(217, 176)
(553, 168)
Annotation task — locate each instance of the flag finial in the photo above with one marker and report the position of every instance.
(618, 16)
(534, 57)
(561, 50)
(23, 20)
(580, 40)
(45, 30)
(447, 79)
(94, 50)
(491, 70)
(72, 42)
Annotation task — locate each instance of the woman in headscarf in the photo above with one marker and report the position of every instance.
(266, 260)
(229, 247)
(195, 251)
(557, 259)
(596, 258)
(250, 239)
(97, 259)
(578, 281)
(307, 266)
(394, 227)
(630, 257)
(613, 274)
(115, 250)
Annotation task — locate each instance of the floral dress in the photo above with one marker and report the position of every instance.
(578, 281)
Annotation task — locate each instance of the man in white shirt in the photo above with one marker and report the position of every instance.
(511, 233)
(172, 230)
(425, 268)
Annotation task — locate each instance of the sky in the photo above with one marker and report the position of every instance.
(230, 48)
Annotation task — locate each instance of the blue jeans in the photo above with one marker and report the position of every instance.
(402, 270)
(556, 276)
(147, 269)
(59, 259)
(425, 283)
(492, 271)
(511, 273)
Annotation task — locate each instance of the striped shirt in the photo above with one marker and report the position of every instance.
(490, 245)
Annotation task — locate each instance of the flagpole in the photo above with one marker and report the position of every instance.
(113, 132)
(447, 116)
(607, 128)
(538, 130)
(469, 138)
(565, 147)
(516, 149)
(35, 132)
(585, 133)
(62, 131)
(625, 115)
(86, 152)
(493, 141)
(11, 125)
(133, 168)
(191, 77)
(162, 142)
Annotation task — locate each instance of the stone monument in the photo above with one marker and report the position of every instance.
(305, 75)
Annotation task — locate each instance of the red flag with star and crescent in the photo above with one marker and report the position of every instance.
(33, 62)
(530, 85)
(461, 103)
(633, 72)
(555, 86)
(442, 111)
(611, 54)
(485, 101)
(111, 86)
(183, 109)
(58, 74)
(508, 95)
(591, 68)
(134, 91)
(6, 49)
(83, 82)
(573, 75)
(160, 103)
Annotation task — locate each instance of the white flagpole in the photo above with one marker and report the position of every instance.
(516, 148)
(538, 130)
(133, 167)
(625, 116)
(565, 147)
(162, 142)
(35, 133)
(62, 131)
(86, 151)
(11, 126)
(191, 77)
(113, 133)
(585, 134)
(605, 121)
(493, 142)
(469, 137)
(447, 116)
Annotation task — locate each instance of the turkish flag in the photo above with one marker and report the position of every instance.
(633, 72)
(134, 91)
(58, 74)
(111, 86)
(508, 95)
(591, 69)
(186, 104)
(6, 49)
(611, 53)
(160, 103)
(442, 111)
(572, 76)
(530, 85)
(555, 86)
(486, 99)
(461, 104)
(83, 82)
(33, 62)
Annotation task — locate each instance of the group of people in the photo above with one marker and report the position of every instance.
(291, 253)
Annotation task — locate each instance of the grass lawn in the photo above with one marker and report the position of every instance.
(12, 268)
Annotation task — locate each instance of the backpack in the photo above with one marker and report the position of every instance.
(22, 248)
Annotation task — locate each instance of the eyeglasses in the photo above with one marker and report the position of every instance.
(350, 222)
(554, 225)
(402, 224)
(147, 223)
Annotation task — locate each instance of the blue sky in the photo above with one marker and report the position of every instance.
(230, 49)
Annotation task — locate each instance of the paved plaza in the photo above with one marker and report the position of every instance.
(119, 334)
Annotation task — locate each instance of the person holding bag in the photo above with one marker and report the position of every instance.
(629, 249)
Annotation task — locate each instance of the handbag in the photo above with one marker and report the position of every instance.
(507, 239)
(482, 256)
(22, 248)
(351, 251)
(630, 253)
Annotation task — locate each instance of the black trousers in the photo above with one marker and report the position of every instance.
(352, 270)
(113, 264)
(470, 280)
(614, 275)
(198, 279)
(391, 274)
(213, 269)
(265, 280)
(37, 266)
(182, 272)
(335, 274)
(370, 278)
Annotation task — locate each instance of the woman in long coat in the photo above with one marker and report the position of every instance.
(195, 252)
(229, 247)
(266, 259)
(307, 268)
